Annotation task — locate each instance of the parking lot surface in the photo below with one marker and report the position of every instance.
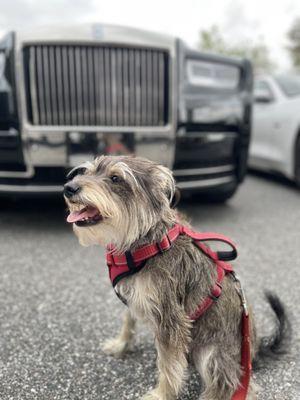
(57, 306)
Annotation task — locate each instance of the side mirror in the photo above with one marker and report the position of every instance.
(263, 96)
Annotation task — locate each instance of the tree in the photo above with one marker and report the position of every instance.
(213, 41)
(294, 48)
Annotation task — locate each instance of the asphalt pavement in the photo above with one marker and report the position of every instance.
(57, 306)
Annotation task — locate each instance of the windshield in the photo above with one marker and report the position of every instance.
(290, 85)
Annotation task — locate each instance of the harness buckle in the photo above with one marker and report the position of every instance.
(130, 260)
(160, 249)
(241, 293)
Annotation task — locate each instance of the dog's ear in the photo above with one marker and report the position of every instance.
(176, 198)
(164, 181)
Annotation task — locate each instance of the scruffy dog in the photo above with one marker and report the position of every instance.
(125, 202)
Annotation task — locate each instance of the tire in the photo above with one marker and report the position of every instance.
(219, 197)
(216, 196)
(297, 162)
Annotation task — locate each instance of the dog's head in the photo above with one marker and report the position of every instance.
(118, 199)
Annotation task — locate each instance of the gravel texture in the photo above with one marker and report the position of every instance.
(57, 306)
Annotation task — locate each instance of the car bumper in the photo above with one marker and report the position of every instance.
(196, 179)
(204, 178)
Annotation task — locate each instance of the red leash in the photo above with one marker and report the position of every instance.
(129, 263)
(242, 390)
(246, 365)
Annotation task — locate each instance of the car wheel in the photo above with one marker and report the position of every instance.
(216, 196)
(222, 196)
(297, 162)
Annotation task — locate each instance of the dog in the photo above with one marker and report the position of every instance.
(125, 203)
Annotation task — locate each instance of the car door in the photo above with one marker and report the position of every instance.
(265, 124)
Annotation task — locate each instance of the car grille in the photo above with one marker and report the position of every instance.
(88, 85)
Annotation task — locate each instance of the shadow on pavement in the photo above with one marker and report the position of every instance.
(275, 178)
(32, 212)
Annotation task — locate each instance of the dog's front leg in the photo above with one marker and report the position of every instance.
(172, 343)
(172, 366)
(117, 346)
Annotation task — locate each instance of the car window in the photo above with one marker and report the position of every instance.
(263, 85)
(263, 88)
(290, 85)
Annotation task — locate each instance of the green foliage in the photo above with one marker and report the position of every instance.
(212, 40)
(294, 48)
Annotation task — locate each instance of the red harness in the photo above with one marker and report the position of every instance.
(129, 263)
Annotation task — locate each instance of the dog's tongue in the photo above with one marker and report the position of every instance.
(87, 212)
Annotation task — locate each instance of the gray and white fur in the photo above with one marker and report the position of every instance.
(133, 197)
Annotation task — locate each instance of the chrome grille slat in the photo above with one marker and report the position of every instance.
(101, 84)
(120, 90)
(32, 79)
(107, 74)
(161, 92)
(73, 103)
(131, 88)
(113, 86)
(66, 86)
(91, 80)
(85, 87)
(149, 88)
(96, 85)
(155, 89)
(78, 85)
(144, 88)
(40, 85)
(126, 87)
(138, 88)
(53, 90)
(61, 109)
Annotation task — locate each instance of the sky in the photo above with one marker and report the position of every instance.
(259, 21)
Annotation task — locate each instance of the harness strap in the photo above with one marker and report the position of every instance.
(213, 296)
(145, 252)
(149, 251)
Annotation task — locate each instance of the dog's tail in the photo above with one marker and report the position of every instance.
(278, 343)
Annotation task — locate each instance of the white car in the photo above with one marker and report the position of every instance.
(275, 144)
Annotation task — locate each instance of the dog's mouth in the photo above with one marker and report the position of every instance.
(87, 216)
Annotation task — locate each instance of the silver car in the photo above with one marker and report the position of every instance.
(275, 142)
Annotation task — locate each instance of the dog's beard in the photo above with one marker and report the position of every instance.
(103, 234)
(121, 231)
(122, 223)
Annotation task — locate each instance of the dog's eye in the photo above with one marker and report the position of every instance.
(115, 178)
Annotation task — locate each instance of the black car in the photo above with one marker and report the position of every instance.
(71, 94)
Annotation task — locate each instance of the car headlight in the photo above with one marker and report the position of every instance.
(2, 64)
(213, 75)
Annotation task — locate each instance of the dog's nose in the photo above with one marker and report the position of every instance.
(71, 188)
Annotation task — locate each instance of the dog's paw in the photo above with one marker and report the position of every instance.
(115, 347)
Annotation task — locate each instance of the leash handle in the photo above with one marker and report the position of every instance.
(214, 237)
(228, 255)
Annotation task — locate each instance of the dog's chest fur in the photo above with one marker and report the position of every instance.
(181, 277)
